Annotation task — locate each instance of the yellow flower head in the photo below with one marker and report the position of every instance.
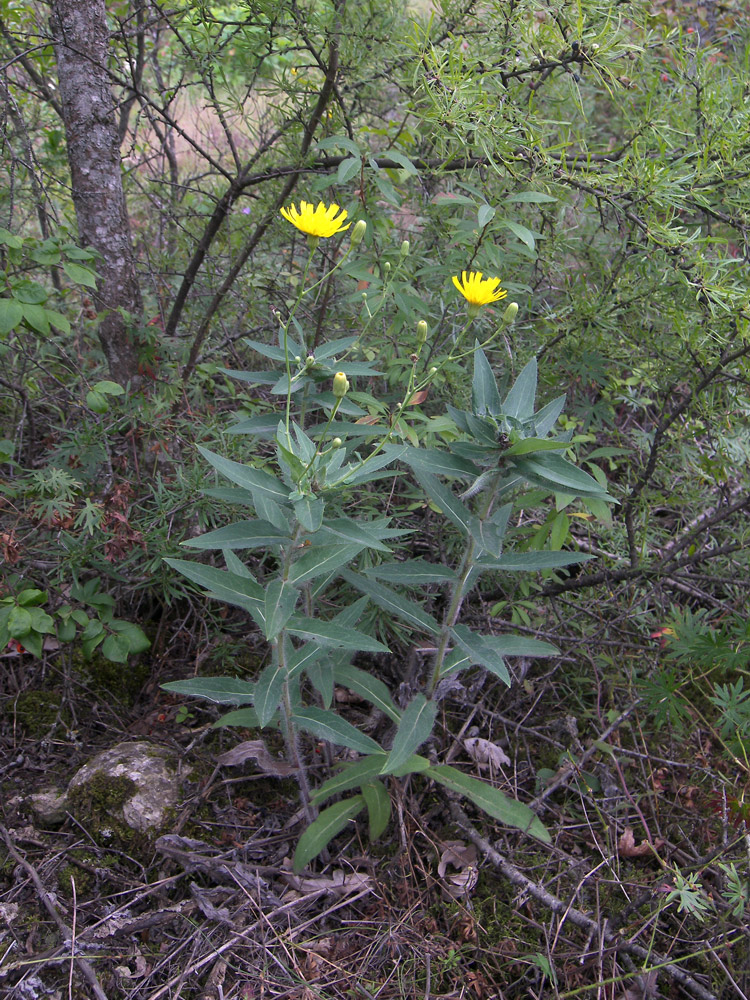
(478, 291)
(316, 222)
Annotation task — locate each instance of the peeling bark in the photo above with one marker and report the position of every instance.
(81, 38)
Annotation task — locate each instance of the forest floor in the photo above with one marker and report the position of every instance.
(628, 901)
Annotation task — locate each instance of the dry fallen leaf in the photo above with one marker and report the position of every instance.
(627, 848)
(258, 751)
(485, 753)
(458, 854)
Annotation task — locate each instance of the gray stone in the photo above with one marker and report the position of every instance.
(145, 783)
(49, 806)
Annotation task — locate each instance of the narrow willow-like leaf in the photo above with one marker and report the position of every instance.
(331, 727)
(222, 690)
(485, 399)
(440, 463)
(350, 776)
(309, 513)
(481, 652)
(415, 727)
(268, 693)
(254, 534)
(330, 822)
(557, 473)
(519, 402)
(319, 559)
(378, 807)
(240, 591)
(396, 604)
(446, 500)
(490, 800)
(244, 718)
(320, 673)
(529, 562)
(281, 599)
(368, 687)
(411, 572)
(333, 635)
(248, 478)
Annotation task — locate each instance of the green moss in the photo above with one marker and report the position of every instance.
(124, 682)
(97, 805)
(36, 711)
(86, 881)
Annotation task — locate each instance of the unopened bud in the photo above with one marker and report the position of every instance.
(510, 313)
(405, 248)
(309, 361)
(432, 371)
(364, 296)
(358, 233)
(421, 332)
(387, 266)
(336, 443)
(340, 385)
(297, 359)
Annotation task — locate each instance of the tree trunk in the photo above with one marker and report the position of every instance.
(81, 38)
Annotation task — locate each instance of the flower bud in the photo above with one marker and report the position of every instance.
(432, 371)
(421, 332)
(336, 443)
(358, 232)
(309, 361)
(510, 313)
(297, 359)
(387, 266)
(405, 248)
(340, 385)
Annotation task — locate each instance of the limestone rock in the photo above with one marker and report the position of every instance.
(138, 784)
(49, 806)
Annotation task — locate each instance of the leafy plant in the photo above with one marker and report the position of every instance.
(303, 499)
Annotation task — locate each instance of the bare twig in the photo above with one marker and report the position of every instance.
(68, 935)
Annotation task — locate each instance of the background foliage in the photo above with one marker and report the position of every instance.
(593, 154)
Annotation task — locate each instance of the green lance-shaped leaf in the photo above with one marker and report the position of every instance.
(332, 728)
(367, 687)
(530, 562)
(491, 800)
(440, 463)
(334, 636)
(303, 657)
(248, 478)
(320, 559)
(309, 512)
(415, 727)
(488, 650)
(556, 473)
(254, 534)
(446, 500)
(222, 690)
(411, 572)
(519, 402)
(241, 591)
(544, 419)
(396, 604)
(485, 399)
(363, 534)
(281, 599)
(268, 693)
(244, 718)
(330, 822)
(378, 807)
(354, 775)
(320, 673)
(480, 651)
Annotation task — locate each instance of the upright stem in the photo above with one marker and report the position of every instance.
(460, 588)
